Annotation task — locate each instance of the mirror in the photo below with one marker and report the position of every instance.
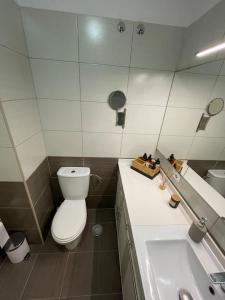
(215, 106)
(116, 101)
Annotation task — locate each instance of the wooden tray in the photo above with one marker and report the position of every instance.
(139, 165)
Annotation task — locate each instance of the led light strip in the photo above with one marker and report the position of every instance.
(211, 50)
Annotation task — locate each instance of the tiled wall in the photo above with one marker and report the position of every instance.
(22, 147)
(191, 92)
(201, 167)
(77, 61)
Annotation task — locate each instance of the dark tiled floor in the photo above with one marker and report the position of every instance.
(89, 272)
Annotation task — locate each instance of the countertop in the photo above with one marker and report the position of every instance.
(146, 203)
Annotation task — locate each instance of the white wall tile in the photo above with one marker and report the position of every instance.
(11, 27)
(51, 34)
(149, 87)
(206, 148)
(219, 89)
(222, 154)
(222, 71)
(181, 121)
(56, 79)
(100, 41)
(157, 48)
(179, 145)
(98, 81)
(215, 127)
(61, 143)
(31, 153)
(15, 76)
(101, 144)
(5, 139)
(134, 145)
(60, 114)
(191, 90)
(9, 166)
(143, 119)
(211, 68)
(23, 119)
(99, 117)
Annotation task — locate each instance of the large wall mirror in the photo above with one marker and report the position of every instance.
(194, 131)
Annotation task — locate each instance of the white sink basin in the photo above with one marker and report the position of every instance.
(169, 262)
(175, 266)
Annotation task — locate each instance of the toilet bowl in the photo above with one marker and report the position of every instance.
(70, 218)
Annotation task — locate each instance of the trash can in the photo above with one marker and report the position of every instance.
(17, 248)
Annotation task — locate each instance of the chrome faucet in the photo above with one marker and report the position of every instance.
(218, 278)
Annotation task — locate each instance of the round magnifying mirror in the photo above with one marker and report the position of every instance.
(215, 106)
(117, 100)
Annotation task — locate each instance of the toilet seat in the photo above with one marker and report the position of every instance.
(69, 221)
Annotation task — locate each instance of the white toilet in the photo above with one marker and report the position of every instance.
(216, 178)
(70, 218)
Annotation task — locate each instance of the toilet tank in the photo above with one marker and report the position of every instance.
(216, 178)
(74, 182)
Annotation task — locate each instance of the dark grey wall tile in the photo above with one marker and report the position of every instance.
(218, 233)
(107, 187)
(17, 218)
(96, 297)
(88, 273)
(55, 187)
(201, 166)
(104, 167)
(220, 165)
(32, 236)
(101, 215)
(100, 201)
(13, 278)
(55, 162)
(46, 278)
(13, 194)
(38, 181)
(44, 209)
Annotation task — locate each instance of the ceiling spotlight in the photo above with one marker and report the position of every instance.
(140, 29)
(121, 26)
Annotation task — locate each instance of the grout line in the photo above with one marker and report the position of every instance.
(80, 89)
(64, 273)
(28, 277)
(27, 139)
(14, 51)
(87, 295)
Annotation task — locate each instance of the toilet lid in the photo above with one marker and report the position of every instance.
(69, 220)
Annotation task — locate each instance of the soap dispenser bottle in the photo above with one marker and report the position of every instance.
(198, 230)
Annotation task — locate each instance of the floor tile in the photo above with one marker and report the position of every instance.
(50, 246)
(13, 278)
(106, 242)
(46, 278)
(92, 273)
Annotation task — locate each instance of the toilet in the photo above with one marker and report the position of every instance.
(216, 178)
(70, 218)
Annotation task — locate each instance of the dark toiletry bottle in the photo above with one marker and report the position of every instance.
(150, 158)
(145, 157)
(157, 162)
(171, 159)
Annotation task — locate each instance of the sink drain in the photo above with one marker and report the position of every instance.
(97, 230)
(185, 295)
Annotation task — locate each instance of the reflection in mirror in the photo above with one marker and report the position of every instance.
(196, 92)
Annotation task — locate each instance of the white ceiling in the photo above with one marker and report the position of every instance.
(168, 12)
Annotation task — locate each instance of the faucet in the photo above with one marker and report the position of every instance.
(218, 278)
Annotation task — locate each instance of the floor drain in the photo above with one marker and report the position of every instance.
(97, 230)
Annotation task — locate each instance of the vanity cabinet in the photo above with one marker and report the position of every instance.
(125, 245)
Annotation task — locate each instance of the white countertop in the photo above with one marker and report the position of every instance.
(146, 203)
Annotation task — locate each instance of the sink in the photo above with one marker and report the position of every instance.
(170, 263)
(175, 266)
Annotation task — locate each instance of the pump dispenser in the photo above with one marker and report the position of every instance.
(198, 230)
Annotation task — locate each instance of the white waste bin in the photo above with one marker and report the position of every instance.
(17, 248)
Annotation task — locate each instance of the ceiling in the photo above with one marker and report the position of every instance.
(168, 12)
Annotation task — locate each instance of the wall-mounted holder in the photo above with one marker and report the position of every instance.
(116, 101)
(214, 108)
